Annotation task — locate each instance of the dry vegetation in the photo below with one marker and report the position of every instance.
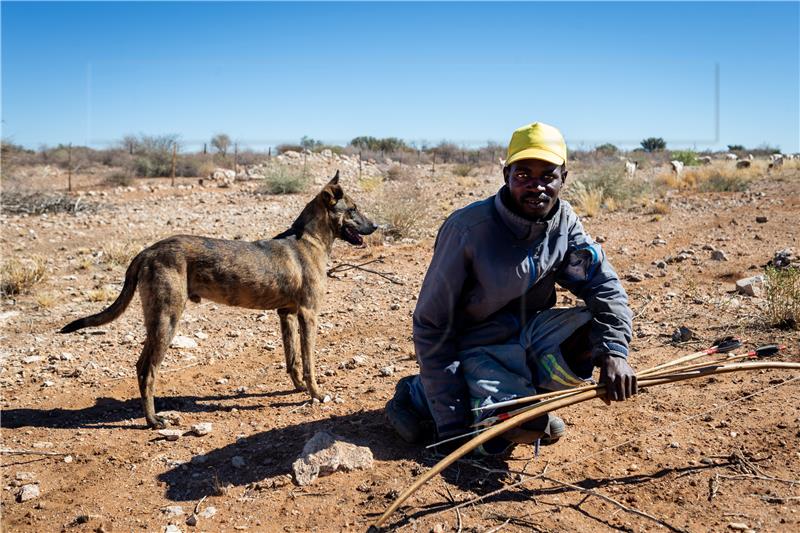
(663, 453)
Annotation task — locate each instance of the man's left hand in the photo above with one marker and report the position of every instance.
(618, 377)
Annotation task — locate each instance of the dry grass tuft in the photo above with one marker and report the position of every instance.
(396, 173)
(659, 208)
(371, 183)
(120, 253)
(283, 180)
(45, 300)
(783, 297)
(401, 217)
(462, 170)
(106, 293)
(587, 199)
(18, 276)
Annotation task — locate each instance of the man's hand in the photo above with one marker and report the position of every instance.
(618, 377)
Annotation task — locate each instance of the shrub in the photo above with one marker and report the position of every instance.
(119, 179)
(783, 297)
(281, 148)
(687, 157)
(607, 149)
(654, 144)
(20, 276)
(736, 148)
(401, 217)
(221, 142)
(462, 170)
(283, 181)
(721, 180)
(395, 173)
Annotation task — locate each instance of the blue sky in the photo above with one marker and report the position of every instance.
(265, 73)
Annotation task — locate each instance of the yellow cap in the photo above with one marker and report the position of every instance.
(537, 141)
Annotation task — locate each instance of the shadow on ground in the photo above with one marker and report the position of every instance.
(271, 453)
(108, 411)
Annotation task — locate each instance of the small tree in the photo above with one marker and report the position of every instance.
(653, 144)
(130, 143)
(736, 148)
(310, 144)
(221, 142)
(607, 149)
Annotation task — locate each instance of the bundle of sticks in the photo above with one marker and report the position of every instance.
(724, 360)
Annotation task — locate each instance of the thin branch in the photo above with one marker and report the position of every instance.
(6, 451)
(343, 267)
(613, 502)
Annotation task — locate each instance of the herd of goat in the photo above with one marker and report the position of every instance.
(775, 160)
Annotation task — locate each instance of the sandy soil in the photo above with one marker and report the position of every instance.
(674, 452)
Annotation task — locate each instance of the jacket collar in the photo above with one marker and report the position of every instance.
(522, 228)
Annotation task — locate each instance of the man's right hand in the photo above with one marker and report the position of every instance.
(618, 377)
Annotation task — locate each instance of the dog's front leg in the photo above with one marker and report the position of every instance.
(308, 338)
(291, 346)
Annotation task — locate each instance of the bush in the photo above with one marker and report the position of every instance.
(719, 180)
(283, 181)
(606, 149)
(736, 148)
(687, 157)
(654, 144)
(119, 179)
(401, 217)
(20, 276)
(783, 297)
(395, 173)
(281, 148)
(462, 170)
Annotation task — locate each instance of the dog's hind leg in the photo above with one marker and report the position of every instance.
(162, 310)
(291, 346)
(308, 337)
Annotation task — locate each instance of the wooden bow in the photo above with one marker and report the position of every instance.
(567, 399)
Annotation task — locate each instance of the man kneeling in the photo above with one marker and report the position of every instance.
(485, 329)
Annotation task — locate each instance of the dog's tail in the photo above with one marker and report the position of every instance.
(115, 309)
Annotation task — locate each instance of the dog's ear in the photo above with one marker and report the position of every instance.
(332, 192)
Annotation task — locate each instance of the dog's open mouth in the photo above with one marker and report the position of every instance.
(352, 236)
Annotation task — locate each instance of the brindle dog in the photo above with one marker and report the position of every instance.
(286, 273)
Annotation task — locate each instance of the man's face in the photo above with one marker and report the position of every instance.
(534, 185)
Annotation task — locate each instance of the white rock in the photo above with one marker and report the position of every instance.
(387, 371)
(32, 359)
(324, 454)
(171, 434)
(201, 429)
(184, 343)
(208, 512)
(200, 334)
(28, 492)
(719, 255)
(172, 510)
(172, 528)
(238, 461)
(751, 286)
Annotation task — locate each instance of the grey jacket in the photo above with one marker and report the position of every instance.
(491, 272)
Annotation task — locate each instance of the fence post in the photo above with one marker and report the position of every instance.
(359, 164)
(235, 157)
(433, 167)
(305, 156)
(69, 167)
(205, 149)
(174, 160)
(269, 153)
